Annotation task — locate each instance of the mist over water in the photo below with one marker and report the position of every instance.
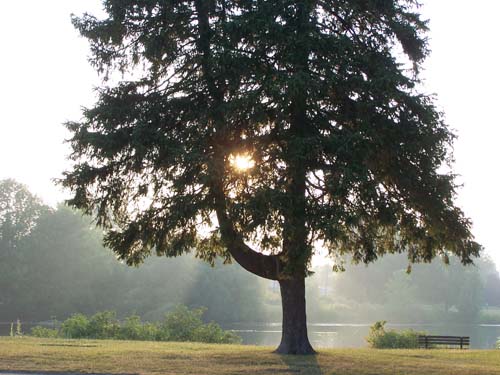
(338, 335)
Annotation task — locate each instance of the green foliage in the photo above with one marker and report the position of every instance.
(20, 211)
(230, 294)
(103, 325)
(498, 343)
(75, 327)
(180, 324)
(60, 267)
(134, 329)
(380, 338)
(347, 150)
(40, 331)
(212, 332)
(434, 292)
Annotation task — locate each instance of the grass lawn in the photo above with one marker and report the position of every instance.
(133, 357)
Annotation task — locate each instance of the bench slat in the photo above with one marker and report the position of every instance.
(431, 339)
(444, 343)
(445, 337)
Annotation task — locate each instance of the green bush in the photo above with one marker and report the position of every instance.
(498, 343)
(75, 327)
(134, 329)
(104, 325)
(40, 331)
(379, 338)
(213, 333)
(181, 324)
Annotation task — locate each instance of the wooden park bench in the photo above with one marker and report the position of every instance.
(432, 341)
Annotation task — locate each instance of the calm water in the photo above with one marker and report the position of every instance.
(342, 335)
(353, 335)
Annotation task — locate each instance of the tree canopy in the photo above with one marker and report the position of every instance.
(19, 211)
(345, 149)
(19, 214)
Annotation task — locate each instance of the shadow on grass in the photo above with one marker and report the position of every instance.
(302, 364)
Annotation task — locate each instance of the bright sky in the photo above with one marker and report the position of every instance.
(46, 79)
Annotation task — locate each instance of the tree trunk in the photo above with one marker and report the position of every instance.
(294, 338)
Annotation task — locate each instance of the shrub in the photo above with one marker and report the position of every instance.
(134, 329)
(181, 324)
(75, 327)
(131, 329)
(230, 338)
(381, 339)
(498, 343)
(149, 332)
(40, 331)
(213, 333)
(104, 325)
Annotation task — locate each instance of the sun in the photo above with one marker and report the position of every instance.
(242, 162)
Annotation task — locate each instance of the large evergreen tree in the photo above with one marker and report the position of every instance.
(321, 96)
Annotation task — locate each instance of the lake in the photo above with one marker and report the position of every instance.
(341, 335)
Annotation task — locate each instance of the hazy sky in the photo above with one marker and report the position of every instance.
(46, 79)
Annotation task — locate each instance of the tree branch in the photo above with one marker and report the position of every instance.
(266, 266)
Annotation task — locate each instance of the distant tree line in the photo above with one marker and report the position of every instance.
(435, 292)
(52, 264)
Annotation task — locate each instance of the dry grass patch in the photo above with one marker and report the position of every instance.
(133, 357)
